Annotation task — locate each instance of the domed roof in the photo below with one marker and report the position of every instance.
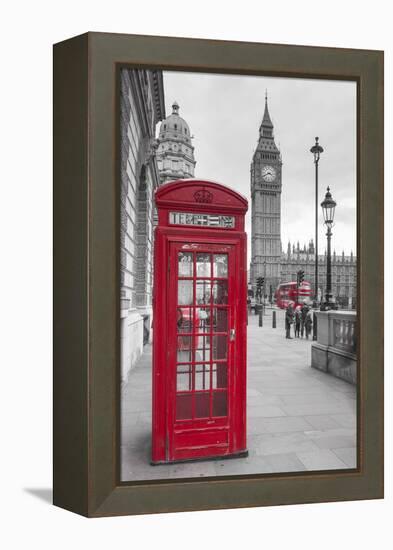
(174, 124)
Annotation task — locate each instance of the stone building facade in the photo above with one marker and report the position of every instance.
(141, 108)
(175, 152)
(344, 275)
(266, 206)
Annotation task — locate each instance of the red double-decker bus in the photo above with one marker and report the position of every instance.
(289, 292)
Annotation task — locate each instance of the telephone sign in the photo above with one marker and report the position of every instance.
(209, 220)
(199, 323)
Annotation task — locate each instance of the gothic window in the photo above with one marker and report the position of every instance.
(175, 126)
(185, 130)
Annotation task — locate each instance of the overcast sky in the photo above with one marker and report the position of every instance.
(224, 113)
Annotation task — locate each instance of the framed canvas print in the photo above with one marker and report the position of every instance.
(218, 260)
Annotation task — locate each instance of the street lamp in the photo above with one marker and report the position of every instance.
(328, 208)
(316, 150)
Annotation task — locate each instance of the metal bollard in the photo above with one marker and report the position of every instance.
(274, 322)
(314, 327)
(260, 318)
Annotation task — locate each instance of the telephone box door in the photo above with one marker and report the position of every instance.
(202, 326)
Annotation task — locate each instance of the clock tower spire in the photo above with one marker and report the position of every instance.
(266, 128)
(266, 206)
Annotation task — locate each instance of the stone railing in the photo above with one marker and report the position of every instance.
(344, 332)
(335, 349)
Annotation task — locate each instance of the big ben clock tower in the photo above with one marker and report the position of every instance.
(266, 207)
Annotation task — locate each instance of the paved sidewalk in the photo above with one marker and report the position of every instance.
(299, 418)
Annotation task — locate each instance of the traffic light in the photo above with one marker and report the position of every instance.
(260, 283)
(300, 276)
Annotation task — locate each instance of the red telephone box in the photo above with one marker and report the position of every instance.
(199, 322)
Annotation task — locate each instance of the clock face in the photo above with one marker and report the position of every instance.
(268, 173)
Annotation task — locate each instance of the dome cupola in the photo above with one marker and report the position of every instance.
(175, 126)
(175, 152)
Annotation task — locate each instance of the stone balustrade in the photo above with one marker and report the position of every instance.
(335, 348)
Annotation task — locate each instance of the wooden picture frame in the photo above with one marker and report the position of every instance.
(86, 253)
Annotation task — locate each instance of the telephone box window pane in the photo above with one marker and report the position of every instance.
(185, 293)
(202, 352)
(220, 265)
(202, 404)
(183, 406)
(220, 292)
(184, 352)
(184, 319)
(202, 319)
(185, 264)
(202, 377)
(203, 265)
(219, 347)
(220, 320)
(220, 375)
(184, 378)
(220, 403)
(203, 292)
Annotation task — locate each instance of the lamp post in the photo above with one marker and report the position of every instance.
(316, 150)
(328, 208)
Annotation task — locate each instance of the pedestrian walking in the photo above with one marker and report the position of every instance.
(308, 323)
(297, 322)
(303, 313)
(288, 320)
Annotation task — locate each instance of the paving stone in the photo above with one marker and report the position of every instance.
(347, 420)
(285, 463)
(252, 392)
(192, 469)
(321, 460)
(284, 443)
(317, 408)
(319, 397)
(277, 425)
(264, 411)
(338, 431)
(263, 399)
(256, 465)
(132, 434)
(322, 422)
(335, 441)
(347, 455)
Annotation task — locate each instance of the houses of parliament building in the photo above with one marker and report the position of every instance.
(268, 259)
